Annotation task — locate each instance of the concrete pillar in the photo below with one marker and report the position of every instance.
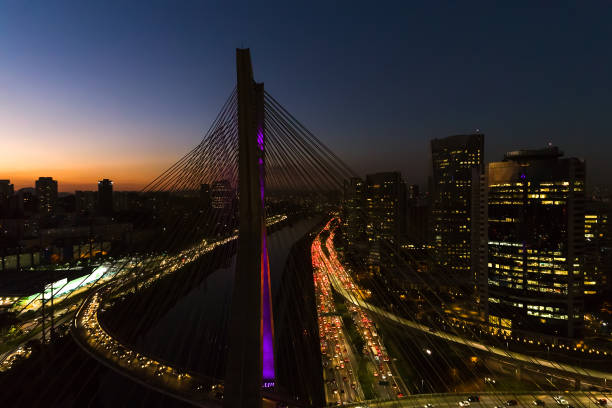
(243, 380)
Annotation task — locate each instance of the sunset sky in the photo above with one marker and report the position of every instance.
(121, 89)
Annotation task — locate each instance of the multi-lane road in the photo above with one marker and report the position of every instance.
(346, 368)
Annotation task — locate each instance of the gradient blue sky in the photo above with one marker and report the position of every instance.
(121, 89)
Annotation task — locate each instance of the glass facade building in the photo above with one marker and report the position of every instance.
(536, 243)
(454, 159)
(386, 217)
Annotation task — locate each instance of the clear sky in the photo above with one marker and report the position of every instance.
(121, 89)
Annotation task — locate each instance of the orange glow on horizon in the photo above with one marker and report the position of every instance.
(77, 148)
(125, 178)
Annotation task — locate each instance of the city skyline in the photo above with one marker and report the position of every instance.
(21, 183)
(257, 205)
(76, 107)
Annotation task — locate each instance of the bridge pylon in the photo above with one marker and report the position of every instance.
(251, 356)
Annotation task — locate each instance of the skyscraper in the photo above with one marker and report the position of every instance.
(536, 242)
(386, 216)
(354, 219)
(453, 159)
(105, 197)
(46, 190)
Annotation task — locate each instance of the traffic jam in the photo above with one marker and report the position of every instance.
(339, 355)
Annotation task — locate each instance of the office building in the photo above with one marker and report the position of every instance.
(105, 197)
(454, 159)
(386, 217)
(479, 238)
(46, 190)
(598, 250)
(536, 243)
(354, 219)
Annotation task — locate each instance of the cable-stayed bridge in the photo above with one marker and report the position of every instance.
(313, 337)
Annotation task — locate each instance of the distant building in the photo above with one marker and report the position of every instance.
(127, 201)
(46, 190)
(453, 160)
(413, 192)
(479, 238)
(222, 195)
(536, 243)
(6, 192)
(598, 249)
(354, 211)
(23, 202)
(85, 202)
(105, 197)
(205, 195)
(418, 209)
(386, 217)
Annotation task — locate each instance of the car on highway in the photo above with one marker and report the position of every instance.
(602, 401)
(511, 402)
(538, 402)
(474, 398)
(465, 403)
(428, 405)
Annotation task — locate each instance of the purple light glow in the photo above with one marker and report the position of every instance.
(260, 139)
(268, 329)
(267, 332)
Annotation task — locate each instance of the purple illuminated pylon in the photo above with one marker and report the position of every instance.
(267, 321)
(267, 343)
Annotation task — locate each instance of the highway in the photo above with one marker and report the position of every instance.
(339, 361)
(337, 350)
